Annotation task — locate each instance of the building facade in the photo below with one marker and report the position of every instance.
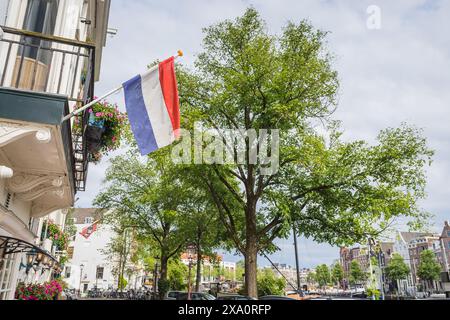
(212, 270)
(90, 265)
(50, 56)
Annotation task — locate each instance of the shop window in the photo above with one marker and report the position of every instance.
(6, 272)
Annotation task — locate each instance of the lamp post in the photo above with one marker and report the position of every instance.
(155, 277)
(190, 250)
(81, 275)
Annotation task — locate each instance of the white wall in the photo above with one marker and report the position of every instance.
(88, 252)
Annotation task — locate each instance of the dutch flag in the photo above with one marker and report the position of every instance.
(152, 104)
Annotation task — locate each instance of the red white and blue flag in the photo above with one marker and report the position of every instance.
(87, 231)
(152, 104)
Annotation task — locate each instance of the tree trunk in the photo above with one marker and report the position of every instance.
(251, 250)
(163, 276)
(199, 264)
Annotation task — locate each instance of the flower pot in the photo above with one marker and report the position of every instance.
(94, 132)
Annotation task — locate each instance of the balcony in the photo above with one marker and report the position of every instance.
(43, 78)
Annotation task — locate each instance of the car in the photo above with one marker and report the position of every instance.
(273, 297)
(234, 297)
(195, 296)
(172, 295)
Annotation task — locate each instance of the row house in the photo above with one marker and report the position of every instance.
(382, 252)
(50, 57)
(415, 248)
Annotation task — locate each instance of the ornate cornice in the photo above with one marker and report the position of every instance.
(21, 182)
(10, 132)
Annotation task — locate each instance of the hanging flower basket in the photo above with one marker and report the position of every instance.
(104, 129)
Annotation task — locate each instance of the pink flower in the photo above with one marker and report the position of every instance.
(90, 110)
(113, 138)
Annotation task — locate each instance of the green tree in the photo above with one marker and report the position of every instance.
(396, 269)
(357, 275)
(323, 276)
(337, 274)
(177, 275)
(334, 191)
(240, 270)
(311, 278)
(122, 283)
(429, 268)
(269, 284)
(147, 197)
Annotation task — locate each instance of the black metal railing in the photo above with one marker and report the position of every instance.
(45, 63)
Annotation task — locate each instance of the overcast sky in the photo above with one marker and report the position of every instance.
(397, 73)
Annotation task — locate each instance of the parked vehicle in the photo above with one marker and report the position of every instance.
(275, 298)
(234, 297)
(174, 294)
(195, 296)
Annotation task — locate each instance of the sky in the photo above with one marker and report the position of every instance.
(393, 62)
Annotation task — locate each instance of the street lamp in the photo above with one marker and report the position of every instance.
(190, 250)
(81, 275)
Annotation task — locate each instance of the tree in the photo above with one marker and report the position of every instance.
(357, 275)
(311, 278)
(333, 191)
(147, 197)
(177, 275)
(323, 276)
(118, 252)
(240, 269)
(429, 268)
(268, 284)
(397, 269)
(337, 274)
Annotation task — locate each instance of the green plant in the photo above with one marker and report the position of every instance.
(107, 116)
(122, 283)
(163, 287)
(268, 284)
(36, 291)
(371, 292)
(51, 231)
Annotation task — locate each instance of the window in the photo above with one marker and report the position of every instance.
(448, 233)
(88, 220)
(7, 266)
(448, 244)
(99, 273)
(67, 272)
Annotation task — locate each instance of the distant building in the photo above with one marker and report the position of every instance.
(444, 243)
(213, 269)
(409, 245)
(361, 254)
(89, 266)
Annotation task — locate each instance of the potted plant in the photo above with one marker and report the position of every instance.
(104, 128)
(50, 290)
(59, 238)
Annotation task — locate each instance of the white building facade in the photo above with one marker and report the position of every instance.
(49, 60)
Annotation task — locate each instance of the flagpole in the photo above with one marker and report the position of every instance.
(77, 111)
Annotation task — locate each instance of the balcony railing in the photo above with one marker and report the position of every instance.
(44, 63)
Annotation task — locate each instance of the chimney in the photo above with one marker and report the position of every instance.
(446, 223)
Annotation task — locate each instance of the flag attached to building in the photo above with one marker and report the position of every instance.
(152, 104)
(87, 231)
